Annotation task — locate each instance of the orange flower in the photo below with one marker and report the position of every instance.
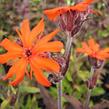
(92, 49)
(70, 18)
(31, 52)
(54, 13)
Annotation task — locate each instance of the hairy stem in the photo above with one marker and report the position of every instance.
(68, 47)
(88, 98)
(64, 70)
(89, 90)
(67, 55)
(60, 94)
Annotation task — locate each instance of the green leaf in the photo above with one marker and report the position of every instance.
(5, 104)
(69, 76)
(83, 75)
(103, 33)
(97, 91)
(13, 89)
(28, 89)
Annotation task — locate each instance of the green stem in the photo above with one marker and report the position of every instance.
(64, 70)
(88, 98)
(68, 47)
(60, 94)
(67, 54)
(89, 91)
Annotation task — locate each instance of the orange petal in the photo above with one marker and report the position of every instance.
(21, 66)
(39, 76)
(82, 6)
(88, 1)
(84, 49)
(106, 50)
(20, 35)
(18, 79)
(48, 37)
(25, 32)
(102, 54)
(55, 46)
(99, 57)
(93, 45)
(37, 30)
(13, 69)
(46, 64)
(10, 46)
(25, 27)
(7, 56)
(54, 13)
(79, 7)
(80, 50)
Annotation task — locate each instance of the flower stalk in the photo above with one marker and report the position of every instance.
(67, 54)
(89, 89)
(59, 89)
(64, 70)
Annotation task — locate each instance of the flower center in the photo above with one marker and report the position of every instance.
(28, 53)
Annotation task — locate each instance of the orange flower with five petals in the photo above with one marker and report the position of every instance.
(92, 49)
(31, 52)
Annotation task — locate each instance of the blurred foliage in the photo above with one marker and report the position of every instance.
(28, 95)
